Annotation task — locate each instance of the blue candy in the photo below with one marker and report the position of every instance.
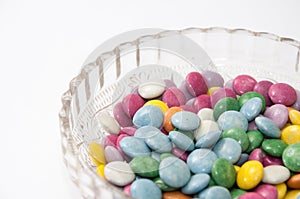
(229, 149)
(181, 141)
(208, 140)
(244, 157)
(148, 116)
(174, 172)
(134, 147)
(145, 188)
(201, 160)
(214, 192)
(267, 127)
(196, 183)
(185, 120)
(230, 119)
(252, 108)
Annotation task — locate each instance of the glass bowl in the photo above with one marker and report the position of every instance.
(109, 74)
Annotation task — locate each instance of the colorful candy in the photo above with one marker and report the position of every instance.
(202, 139)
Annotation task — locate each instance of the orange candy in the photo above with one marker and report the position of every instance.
(167, 118)
(294, 182)
(175, 195)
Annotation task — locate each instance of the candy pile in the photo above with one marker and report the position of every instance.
(203, 139)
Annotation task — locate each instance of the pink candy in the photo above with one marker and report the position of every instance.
(262, 87)
(174, 97)
(267, 191)
(202, 101)
(221, 93)
(196, 84)
(282, 93)
(243, 84)
(131, 103)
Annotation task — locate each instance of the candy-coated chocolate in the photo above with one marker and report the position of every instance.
(108, 122)
(128, 130)
(274, 147)
(173, 97)
(239, 135)
(145, 188)
(111, 140)
(243, 158)
(165, 155)
(256, 154)
(168, 172)
(291, 134)
(229, 149)
(236, 193)
(267, 191)
(275, 174)
(294, 116)
(225, 104)
(185, 120)
(211, 90)
(206, 127)
(112, 154)
(196, 183)
(251, 108)
(167, 118)
(97, 152)
(223, 173)
(251, 195)
(196, 84)
(271, 160)
(149, 115)
(206, 114)
(181, 154)
(296, 105)
(221, 93)
(100, 170)
(250, 175)
(121, 117)
(282, 93)
(243, 84)
(213, 79)
(181, 141)
(162, 185)
(183, 87)
(267, 127)
(131, 103)
(294, 182)
(278, 113)
(201, 160)
(202, 101)
(126, 189)
(214, 192)
(119, 173)
(255, 139)
(151, 89)
(231, 119)
(144, 166)
(175, 195)
(291, 157)
(208, 139)
(246, 96)
(292, 194)
(281, 190)
(262, 87)
(134, 147)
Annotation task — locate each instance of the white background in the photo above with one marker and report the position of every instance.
(42, 47)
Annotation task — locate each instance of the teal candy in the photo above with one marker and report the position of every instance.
(197, 183)
(208, 140)
(134, 147)
(185, 120)
(229, 149)
(181, 141)
(244, 157)
(251, 108)
(223, 173)
(267, 127)
(291, 157)
(154, 138)
(169, 172)
(148, 116)
(214, 192)
(274, 147)
(225, 104)
(231, 119)
(239, 135)
(201, 160)
(145, 188)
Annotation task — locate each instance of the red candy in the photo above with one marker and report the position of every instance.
(262, 87)
(196, 84)
(282, 93)
(243, 84)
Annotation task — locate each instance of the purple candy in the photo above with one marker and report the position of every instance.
(120, 115)
(221, 93)
(202, 101)
(270, 160)
(229, 84)
(282, 93)
(252, 126)
(262, 87)
(296, 105)
(186, 93)
(128, 130)
(256, 154)
(213, 79)
(267, 191)
(278, 113)
(169, 83)
(180, 153)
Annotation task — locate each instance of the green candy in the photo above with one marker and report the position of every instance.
(245, 97)
(225, 104)
(211, 182)
(274, 147)
(162, 185)
(291, 157)
(255, 138)
(239, 135)
(145, 166)
(223, 173)
(165, 155)
(236, 193)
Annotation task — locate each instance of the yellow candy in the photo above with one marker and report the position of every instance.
(291, 134)
(250, 174)
(211, 90)
(237, 168)
(294, 116)
(96, 152)
(100, 170)
(281, 189)
(160, 104)
(292, 194)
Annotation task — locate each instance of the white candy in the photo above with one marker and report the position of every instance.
(119, 173)
(152, 89)
(206, 114)
(275, 174)
(205, 127)
(108, 122)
